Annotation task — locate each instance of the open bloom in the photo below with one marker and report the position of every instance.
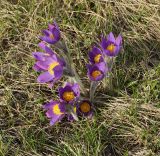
(111, 46)
(55, 111)
(70, 92)
(85, 108)
(95, 55)
(50, 64)
(97, 71)
(52, 34)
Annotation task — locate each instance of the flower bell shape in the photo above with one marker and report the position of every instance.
(111, 46)
(55, 111)
(52, 67)
(52, 34)
(85, 108)
(96, 56)
(97, 71)
(49, 63)
(69, 93)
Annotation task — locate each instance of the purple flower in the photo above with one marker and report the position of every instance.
(95, 55)
(49, 64)
(85, 108)
(52, 34)
(39, 56)
(111, 46)
(97, 71)
(55, 111)
(69, 93)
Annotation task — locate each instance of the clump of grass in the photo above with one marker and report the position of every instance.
(130, 125)
(127, 122)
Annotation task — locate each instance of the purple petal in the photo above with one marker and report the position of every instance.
(49, 113)
(39, 56)
(45, 64)
(111, 37)
(55, 119)
(42, 64)
(61, 61)
(54, 25)
(102, 66)
(49, 104)
(58, 71)
(56, 35)
(47, 39)
(76, 89)
(119, 40)
(45, 77)
(104, 43)
(46, 32)
(117, 50)
(48, 50)
(37, 68)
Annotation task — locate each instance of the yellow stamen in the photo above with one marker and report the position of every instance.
(56, 110)
(68, 96)
(51, 36)
(74, 109)
(85, 107)
(111, 47)
(51, 67)
(95, 74)
(97, 58)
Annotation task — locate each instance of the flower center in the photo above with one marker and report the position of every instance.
(56, 109)
(51, 67)
(97, 58)
(85, 107)
(51, 36)
(68, 96)
(111, 48)
(95, 74)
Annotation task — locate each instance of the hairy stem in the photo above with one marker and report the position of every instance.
(93, 88)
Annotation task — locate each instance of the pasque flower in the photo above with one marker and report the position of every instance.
(52, 34)
(97, 71)
(111, 46)
(85, 108)
(55, 111)
(69, 93)
(95, 55)
(50, 64)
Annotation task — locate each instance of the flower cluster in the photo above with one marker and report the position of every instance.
(98, 67)
(52, 66)
(56, 110)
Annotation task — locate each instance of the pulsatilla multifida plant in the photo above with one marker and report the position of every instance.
(53, 66)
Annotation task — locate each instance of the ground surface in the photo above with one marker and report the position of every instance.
(127, 117)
